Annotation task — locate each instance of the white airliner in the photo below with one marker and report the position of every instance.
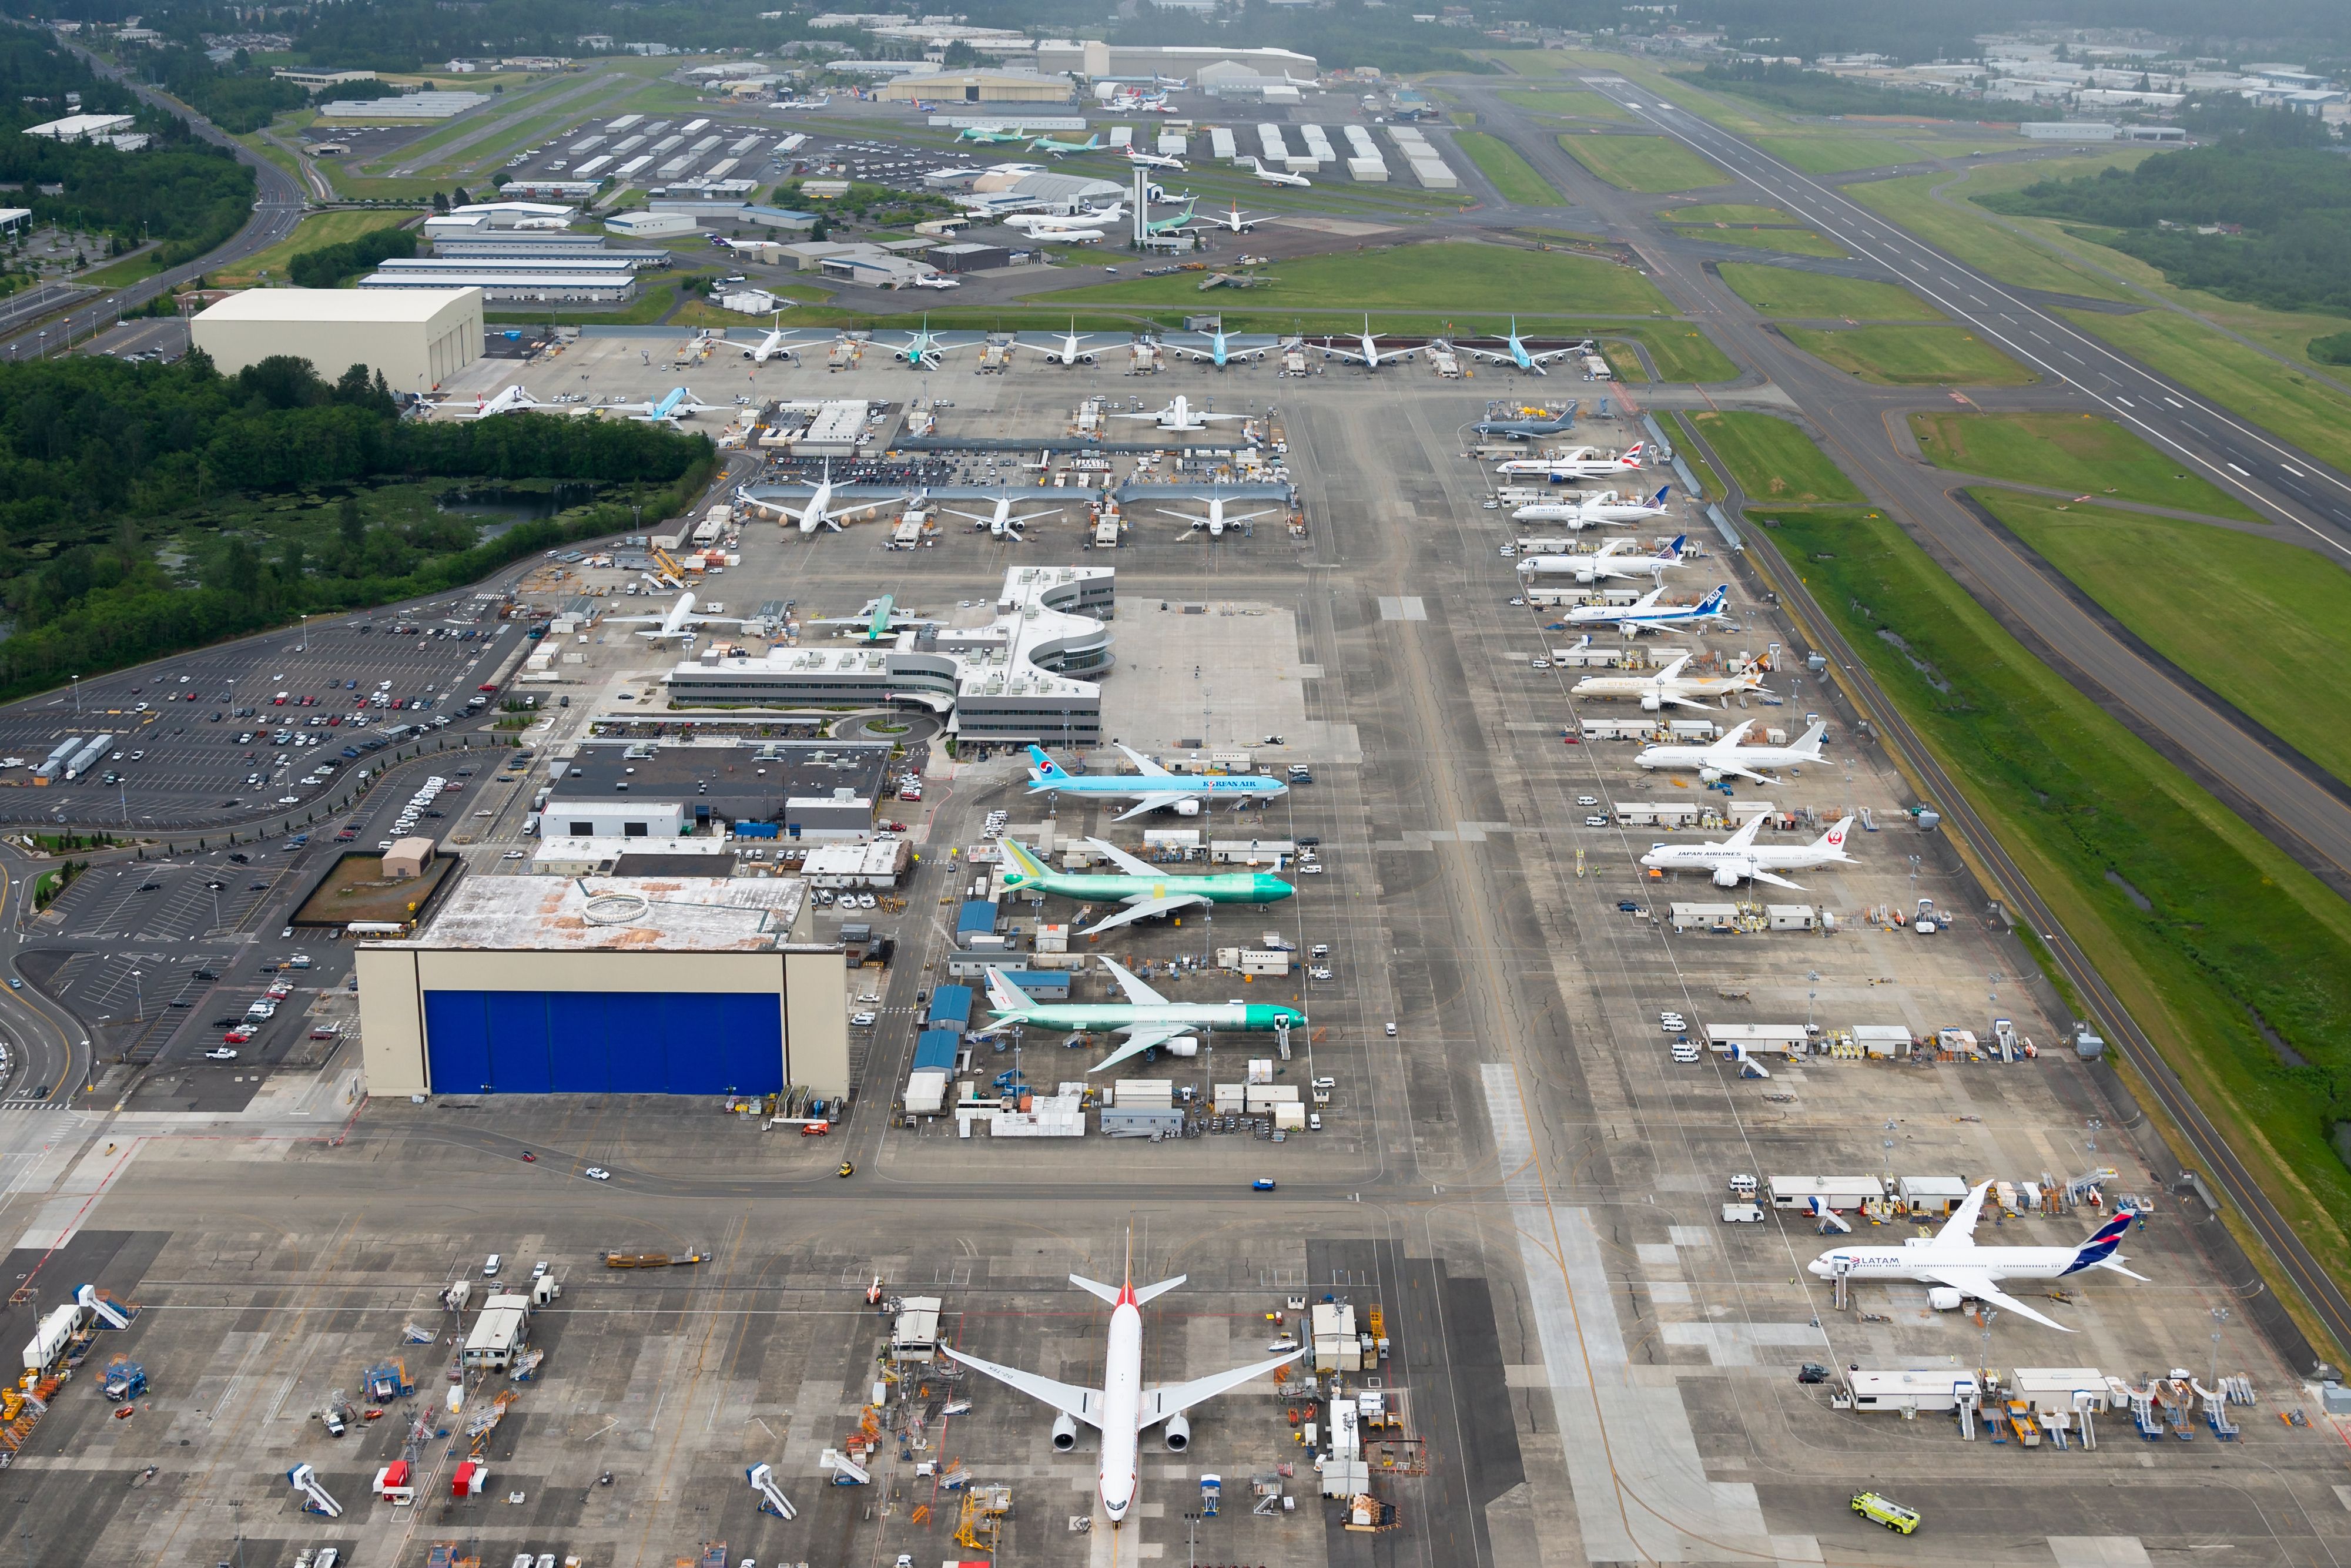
(1726, 759)
(1605, 508)
(1122, 1408)
(1181, 416)
(1739, 858)
(1273, 176)
(1068, 349)
(1369, 354)
(1235, 222)
(678, 402)
(1218, 520)
(1153, 160)
(680, 621)
(1649, 613)
(1669, 687)
(1580, 462)
(1954, 1269)
(1087, 217)
(819, 512)
(1002, 523)
(776, 345)
(510, 399)
(1605, 564)
(1514, 351)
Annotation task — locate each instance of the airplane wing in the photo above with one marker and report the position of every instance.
(1078, 1404)
(1192, 353)
(1140, 1038)
(1736, 771)
(1343, 354)
(1150, 769)
(1120, 858)
(1151, 803)
(1138, 993)
(1143, 909)
(1746, 833)
(1976, 1282)
(1248, 516)
(974, 516)
(1159, 1404)
(1499, 359)
(1182, 516)
(1775, 881)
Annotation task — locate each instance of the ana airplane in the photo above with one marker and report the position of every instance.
(1048, 144)
(1273, 176)
(1217, 522)
(1146, 892)
(510, 399)
(1218, 351)
(1145, 1022)
(1580, 462)
(1181, 416)
(1529, 423)
(1605, 508)
(1605, 564)
(1122, 1408)
(980, 133)
(680, 621)
(1669, 687)
(678, 402)
(1515, 353)
(1648, 614)
(1954, 1269)
(923, 350)
(1153, 160)
(1738, 859)
(1368, 353)
(1726, 759)
(1002, 523)
(1156, 787)
(1068, 349)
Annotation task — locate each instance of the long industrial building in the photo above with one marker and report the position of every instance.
(1093, 60)
(417, 338)
(621, 984)
(532, 288)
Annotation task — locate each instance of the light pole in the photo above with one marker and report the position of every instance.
(306, 633)
(140, 990)
(77, 692)
(2219, 1319)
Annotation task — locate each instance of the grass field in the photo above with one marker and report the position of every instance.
(1725, 212)
(1514, 178)
(1786, 241)
(1912, 356)
(1441, 276)
(1643, 163)
(1833, 154)
(1715, 488)
(1582, 105)
(2235, 930)
(1976, 240)
(317, 229)
(2072, 452)
(1773, 461)
(1813, 296)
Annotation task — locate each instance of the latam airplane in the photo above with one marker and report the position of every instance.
(1156, 787)
(1953, 1268)
(680, 621)
(1122, 1408)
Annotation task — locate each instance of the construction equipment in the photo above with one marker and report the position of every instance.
(527, 1362)
(772, 1499)
(1212, 1494)
(479, 1425)
(416, 1333)
(981, 1523)
(315, 1498)
(124, 1379)
(672, 573)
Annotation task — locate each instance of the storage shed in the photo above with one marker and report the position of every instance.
(407, 858)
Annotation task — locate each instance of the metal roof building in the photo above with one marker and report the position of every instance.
(538, 288)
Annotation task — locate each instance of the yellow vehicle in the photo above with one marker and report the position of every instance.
(1885, 1511)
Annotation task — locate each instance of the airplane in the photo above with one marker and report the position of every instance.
(878, 620)
(1725, 758)
(1605, 508)
(1604, 565)
(1216, 522)
(1153, 160)
(982, 135)
(1953, 1267)
(937, 281)
(1088, 216)
(923, 350)
(510, 399)
(1219, 351)
(1045, 235)
(1170, 224)
(1145, 1021)
(818, 511)
(680, 621)
(1647, 614)
(1669, 686)
(1371, 356)
(1180, 415)
(1156, 787)
(1002, 523)
(1515, 353)
(1235, 222)
(1536, 422)
(1146, 892)
(1273, 176)
(678, 402)
(1048, 144)
(1122, 1408)
(776, 345)
(1736, 858)
(1580, 462)
(1069, 351)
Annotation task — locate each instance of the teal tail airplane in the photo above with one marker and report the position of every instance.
(1144, 891)
(1146, 1019)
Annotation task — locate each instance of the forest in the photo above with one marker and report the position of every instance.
(1817, 92)
(145, 509)
(328, 266)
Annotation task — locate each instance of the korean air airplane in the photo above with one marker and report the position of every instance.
(1952, 1267)
(1155, 788)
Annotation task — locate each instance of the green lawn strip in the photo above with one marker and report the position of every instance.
(2265, 614)
(257, 142)
(1788, 242)
(115, 273)
(2234, 926)
(1726, 212)
(1567, 101)
(1652, 163)
(1912, 356)
(1689, 453)
(1815, 295)
(316, 230)
(1976, 239)
(1515, 180)
(1835, 155)
(2310, 414)
(1773, 461)
(2082, 452)
(1441, 276)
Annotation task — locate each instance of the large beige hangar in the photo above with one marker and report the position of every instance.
(552, 984)
(417, 336)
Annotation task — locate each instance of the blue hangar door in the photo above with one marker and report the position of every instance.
(604, 1042)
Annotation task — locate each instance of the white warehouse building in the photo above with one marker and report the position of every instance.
(416, 338)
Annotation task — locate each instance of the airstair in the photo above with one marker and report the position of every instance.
(104, 1309)
(314, 1499)
(846, 1471)
(771, 1496)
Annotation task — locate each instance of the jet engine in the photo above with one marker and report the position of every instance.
(1943, 1298)
(1188, 807)
(1728, 876)
(1180, 1434)
(1085, 359)
(1653, 704)
(1182, 1045)
(1065, 1434)
(1710, 775)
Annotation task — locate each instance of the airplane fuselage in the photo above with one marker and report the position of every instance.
(1122, 1423)
(1103, 1018)
(1225, 887)
(1699, 758)
(1696, 686)
(1904, 1262)
(1237, 786)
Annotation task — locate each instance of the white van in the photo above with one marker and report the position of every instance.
(491, 1266)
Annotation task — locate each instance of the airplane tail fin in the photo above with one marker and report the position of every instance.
(1809, 741)
(2094, 1252)
(1834, 838)
(1046, 769)
(1029, 870)
(1674, 550)
(1713, 603)
(1633, 454)
(1659, 499)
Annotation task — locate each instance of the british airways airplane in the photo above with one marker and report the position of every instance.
(1156, 787)
(1952, 1267)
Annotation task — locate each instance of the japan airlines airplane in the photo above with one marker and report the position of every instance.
(1726, 759)
(1156, 787)
(1001, 522)
(1181, 416)
(1146, 1020)
(1669, 686)
(1606, 508)
(1153, 160)
(1273, 176)
(1146, 892)
(1369, 355)
(1647, 614)
(1219, 350)
(1122, 1408)
(1738, 859)
(678, 402)
(1580, 462)
(680, 621)
(1515, 353)
(1069, 349)
(1217, 522)
(1604, 565)
(1953, 1268)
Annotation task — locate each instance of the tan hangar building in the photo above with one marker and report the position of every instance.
(418, 337)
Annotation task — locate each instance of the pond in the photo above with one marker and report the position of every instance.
(501, 506)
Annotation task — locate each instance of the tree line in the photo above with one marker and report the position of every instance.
(1817, 92)
(328, 266)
